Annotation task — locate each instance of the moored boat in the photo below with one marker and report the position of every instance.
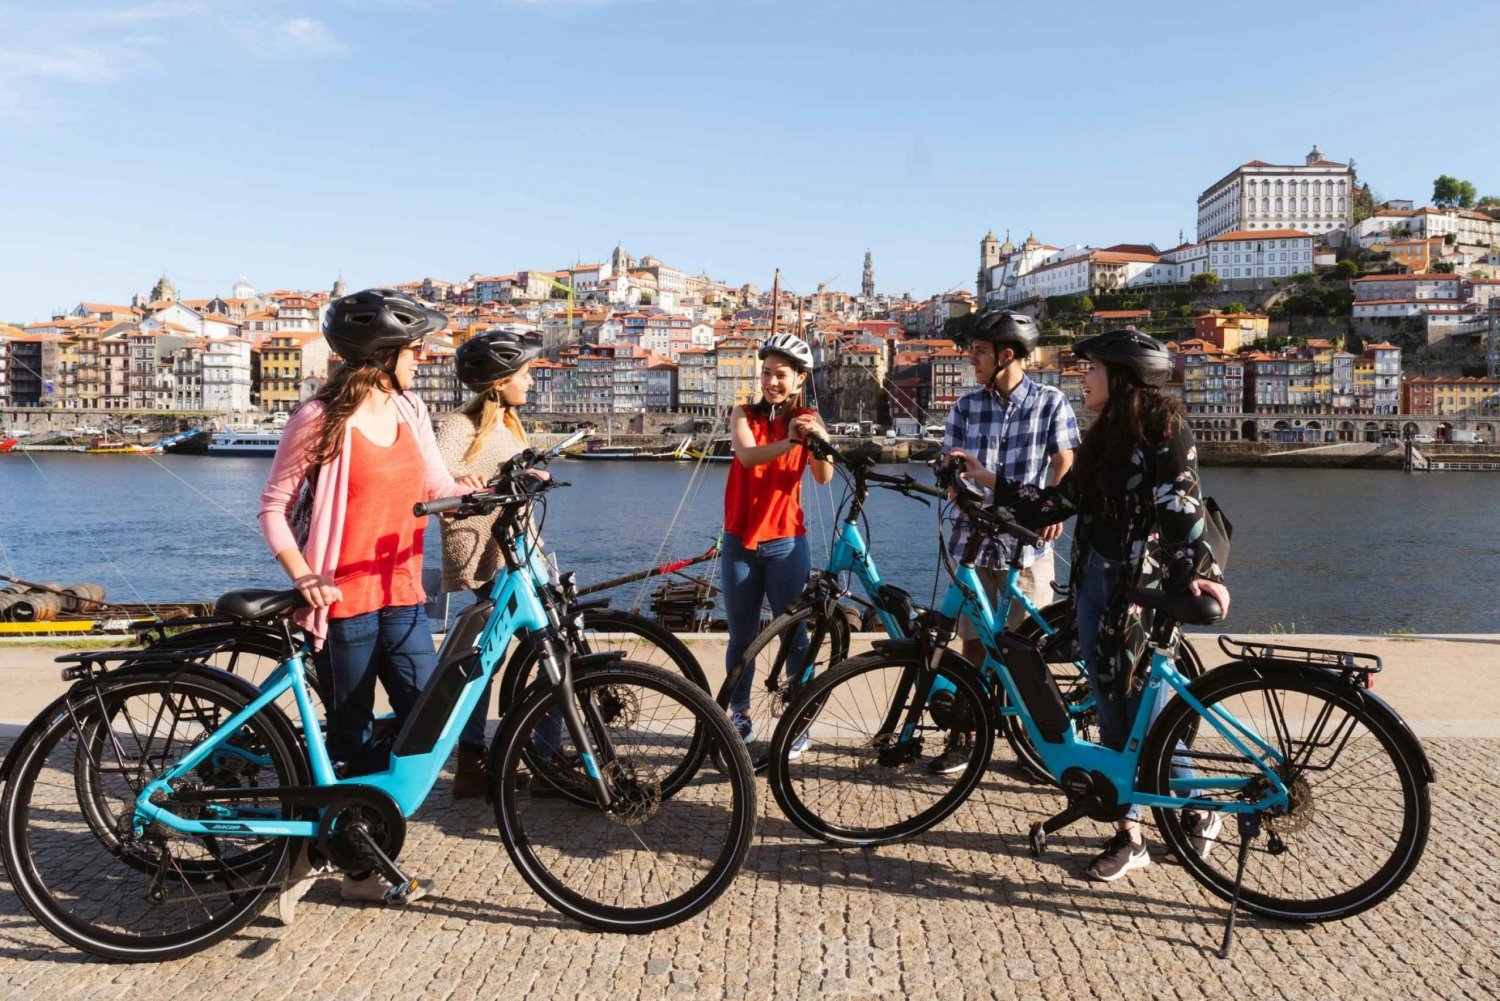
(244, 443)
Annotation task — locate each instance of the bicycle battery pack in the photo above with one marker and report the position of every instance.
(1038, 690)
(458, 662)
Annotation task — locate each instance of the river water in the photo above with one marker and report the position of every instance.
(1348, 551)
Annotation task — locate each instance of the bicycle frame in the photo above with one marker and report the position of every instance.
(966, 596)
(427, 737)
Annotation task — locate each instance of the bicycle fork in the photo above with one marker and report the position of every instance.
(557, 662)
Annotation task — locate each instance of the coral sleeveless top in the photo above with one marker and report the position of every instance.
(380, 557)
(765, 502)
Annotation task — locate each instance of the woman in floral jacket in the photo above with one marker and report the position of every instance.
(1140, 524)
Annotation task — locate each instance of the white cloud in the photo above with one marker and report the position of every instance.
(307, 36)
(72, 63)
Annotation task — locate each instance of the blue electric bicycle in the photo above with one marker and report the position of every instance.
(154, 809)
(814, 632)
(1319, 789)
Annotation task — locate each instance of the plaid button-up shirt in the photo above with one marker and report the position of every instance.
(1014, 437)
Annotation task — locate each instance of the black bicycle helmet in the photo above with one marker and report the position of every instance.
(1007, 328)
(493, 355)
(1143, 356)
(362, 325)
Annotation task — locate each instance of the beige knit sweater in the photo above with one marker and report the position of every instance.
(470, 554)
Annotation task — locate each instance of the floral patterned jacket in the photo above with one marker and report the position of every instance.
(1162, 521)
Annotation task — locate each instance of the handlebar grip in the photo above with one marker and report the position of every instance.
(1008, 525)
(437, 506)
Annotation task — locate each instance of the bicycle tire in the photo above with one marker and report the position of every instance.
(773, 692)
(556, 841)
(857, 756)
(1384, 822)
(1075, 689)
(520, 679)
(68, 886)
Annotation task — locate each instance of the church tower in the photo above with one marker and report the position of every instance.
(989, 257)
(164, 290)
(340, 288)
(867, 285)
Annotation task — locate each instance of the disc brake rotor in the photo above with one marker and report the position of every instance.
(635, 788)
(1300, 813)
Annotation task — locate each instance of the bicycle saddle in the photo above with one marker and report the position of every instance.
(1188, 608)
(259, 603)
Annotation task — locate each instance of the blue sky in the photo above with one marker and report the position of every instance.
(294, 141)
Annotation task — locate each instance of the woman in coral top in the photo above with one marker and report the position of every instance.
(765, 553)
(363, 451)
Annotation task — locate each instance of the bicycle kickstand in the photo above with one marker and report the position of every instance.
(402, 885)
(1249, 825)
(1042, 828)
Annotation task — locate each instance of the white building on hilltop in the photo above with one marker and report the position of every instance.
(1316, 197)
(1250, 258)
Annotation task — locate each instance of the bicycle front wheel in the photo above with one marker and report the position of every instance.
(659, 855)
(793, 649)
(66, 831)
(866, 757)
(1359, 813)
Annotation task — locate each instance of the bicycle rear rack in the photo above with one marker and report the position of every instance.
(1354, 668)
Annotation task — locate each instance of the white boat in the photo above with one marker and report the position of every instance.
(244, 442)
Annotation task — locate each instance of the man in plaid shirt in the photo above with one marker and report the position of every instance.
(1014, 427)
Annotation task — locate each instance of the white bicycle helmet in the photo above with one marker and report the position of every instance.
(790, 345)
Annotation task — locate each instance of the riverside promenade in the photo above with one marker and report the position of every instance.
(963, 911)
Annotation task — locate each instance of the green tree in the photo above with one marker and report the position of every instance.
(1235, 307)
(1345, 270)
(1448, 192)
(1487, 200)
(1208, 281)
(1442, 268)
(646, 299)
(558, 293)
(1086, 305)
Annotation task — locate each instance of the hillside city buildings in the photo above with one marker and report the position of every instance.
(628, 335)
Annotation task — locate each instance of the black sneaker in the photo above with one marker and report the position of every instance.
(955, 757)
(1202, 828)
(1120, 856)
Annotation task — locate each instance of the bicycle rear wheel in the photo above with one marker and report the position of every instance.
(65, 820)
(1359, 811)
(863, 779)
(660, 855)
(794, 648)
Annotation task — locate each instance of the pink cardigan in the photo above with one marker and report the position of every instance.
(330, 500)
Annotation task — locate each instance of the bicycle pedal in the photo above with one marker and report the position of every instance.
(404, 893)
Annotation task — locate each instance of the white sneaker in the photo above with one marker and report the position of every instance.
(799, 745)
(372, 887)
(299, 878)
(1203, 827)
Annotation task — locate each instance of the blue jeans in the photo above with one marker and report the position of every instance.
(392, 644)
(774, 571)
(1097, 578)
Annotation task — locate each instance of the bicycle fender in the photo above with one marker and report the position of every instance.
(1267, 668)
(590, 661)
(54, 709)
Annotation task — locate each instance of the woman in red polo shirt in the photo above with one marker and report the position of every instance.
(765, 553)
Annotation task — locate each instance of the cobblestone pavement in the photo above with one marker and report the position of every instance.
(963, 911)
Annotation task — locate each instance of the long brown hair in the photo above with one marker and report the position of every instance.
(341, 395)
(1134, 416)
(491, 410)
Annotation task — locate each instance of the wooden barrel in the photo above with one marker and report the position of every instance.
(83, 597)
(35, 606)
(6, 600)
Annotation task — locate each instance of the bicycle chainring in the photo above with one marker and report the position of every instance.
(374, 812)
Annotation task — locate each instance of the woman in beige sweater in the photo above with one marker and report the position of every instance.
(479, 439)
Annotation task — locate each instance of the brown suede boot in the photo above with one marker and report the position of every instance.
(470, 780)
